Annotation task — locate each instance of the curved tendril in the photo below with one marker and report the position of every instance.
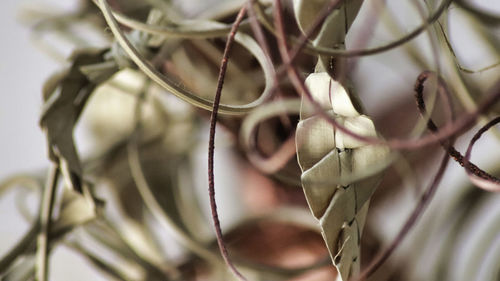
(316, 50)
(150, 201)
(211, 145)
(484, 16)
(285, 152)
(457, 61)
(424, 201)
(478, 176)
(258, 32)
(29, 237)
(364, 52)
(452, 129)
(181, 93)
(177, 30)
(428, 194)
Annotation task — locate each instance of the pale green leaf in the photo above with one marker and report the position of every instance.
(65, 95)
(339, 173)
(76, 209)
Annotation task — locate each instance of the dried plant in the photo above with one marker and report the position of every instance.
(281, 79)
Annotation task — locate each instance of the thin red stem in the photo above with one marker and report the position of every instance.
(211, 145)
(424, 201)
(453, 129)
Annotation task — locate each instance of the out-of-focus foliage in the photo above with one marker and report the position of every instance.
(133, 207)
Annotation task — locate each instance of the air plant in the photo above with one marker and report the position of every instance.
(281, 80)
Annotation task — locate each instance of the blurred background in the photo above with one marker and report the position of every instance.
(458, 237)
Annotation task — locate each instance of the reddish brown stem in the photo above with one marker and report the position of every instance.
(477, 176)
(211, 145)
(452, 129)
(424, 201)
(470, 167)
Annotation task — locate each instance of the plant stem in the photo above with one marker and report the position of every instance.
(45, 223)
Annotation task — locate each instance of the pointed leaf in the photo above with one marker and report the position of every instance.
(339, 173)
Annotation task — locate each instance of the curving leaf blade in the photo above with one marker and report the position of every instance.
(65, 95)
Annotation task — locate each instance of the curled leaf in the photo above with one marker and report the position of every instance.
(65, 95)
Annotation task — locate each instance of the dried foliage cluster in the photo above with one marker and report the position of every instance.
(278, 78)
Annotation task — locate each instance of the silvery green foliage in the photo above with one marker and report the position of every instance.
(336, 25)
(334, 29)
(339, 173)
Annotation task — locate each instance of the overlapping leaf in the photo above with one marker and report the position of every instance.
(339, 173)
